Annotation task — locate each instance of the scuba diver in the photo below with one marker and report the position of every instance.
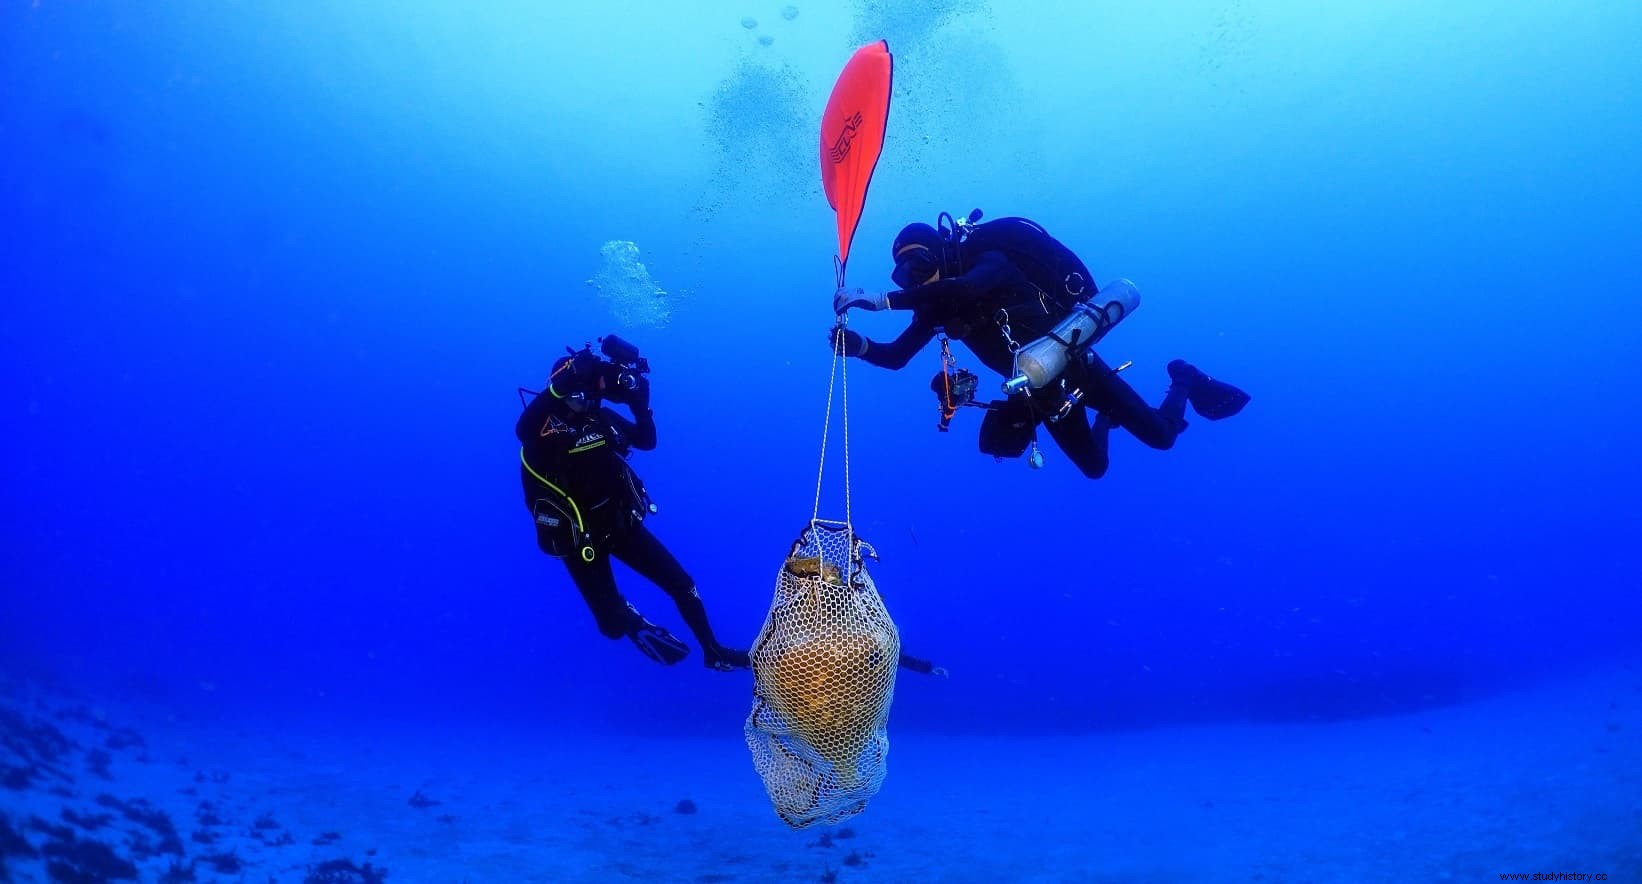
(1027, 308)
(589, 506)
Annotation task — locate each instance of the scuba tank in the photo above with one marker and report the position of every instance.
(1039, 363)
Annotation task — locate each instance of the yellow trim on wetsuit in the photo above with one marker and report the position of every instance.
(580, 448)
(574, 509)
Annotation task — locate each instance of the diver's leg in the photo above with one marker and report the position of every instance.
(1105, 391)
(1086, 445)
(597, 585)
(617, 618)
(644, 553)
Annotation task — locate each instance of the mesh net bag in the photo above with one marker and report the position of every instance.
(824, 676)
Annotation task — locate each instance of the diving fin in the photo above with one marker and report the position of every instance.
(1212, 399)
(657, 643)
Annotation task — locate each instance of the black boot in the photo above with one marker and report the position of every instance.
(722, 659)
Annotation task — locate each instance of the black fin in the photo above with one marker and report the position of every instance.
(658, 644)
(1216, 400)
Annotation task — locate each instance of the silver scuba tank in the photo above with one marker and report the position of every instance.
(1039, 363)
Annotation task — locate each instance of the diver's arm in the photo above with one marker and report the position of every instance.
(639, 432)
(897, 353)
(990, 271)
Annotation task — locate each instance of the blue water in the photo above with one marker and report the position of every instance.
(271, 274)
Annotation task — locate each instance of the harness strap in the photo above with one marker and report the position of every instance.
(574, 509)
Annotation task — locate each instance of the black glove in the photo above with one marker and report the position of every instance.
(854, 344)
(639, 396)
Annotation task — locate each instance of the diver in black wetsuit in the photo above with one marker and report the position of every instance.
(589, 505)
(1003, 284)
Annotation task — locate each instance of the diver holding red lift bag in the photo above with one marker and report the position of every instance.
(1027, 308)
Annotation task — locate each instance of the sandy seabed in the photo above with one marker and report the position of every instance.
(1546, 780)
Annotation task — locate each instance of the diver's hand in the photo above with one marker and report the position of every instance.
(853, 344)
(858, 299)
(639, 396)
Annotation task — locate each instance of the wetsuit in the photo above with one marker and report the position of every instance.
(967, 307)
(585, 456)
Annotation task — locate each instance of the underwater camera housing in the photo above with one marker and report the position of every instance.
(622, 369)
(626, 356)
(953, 389)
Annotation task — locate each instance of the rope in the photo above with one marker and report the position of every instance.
(833, 380)
(849, 520)
(826, 424)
